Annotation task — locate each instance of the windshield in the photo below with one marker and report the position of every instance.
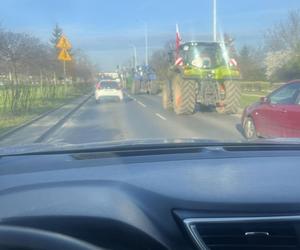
(203, 55)
(222, 71)
(109, 85)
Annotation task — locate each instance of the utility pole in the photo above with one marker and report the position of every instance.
(146, 45)
(214, 20)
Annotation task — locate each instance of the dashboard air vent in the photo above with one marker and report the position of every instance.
(244, 233)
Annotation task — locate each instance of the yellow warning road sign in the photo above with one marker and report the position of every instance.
(63, 43)
(64, 55)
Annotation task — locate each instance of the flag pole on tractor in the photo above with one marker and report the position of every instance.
(64, 45)
(178, 58)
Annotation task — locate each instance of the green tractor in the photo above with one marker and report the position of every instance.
(203, 74)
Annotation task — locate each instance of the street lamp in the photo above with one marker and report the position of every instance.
(134, 56)
(214, 20)
(146, 45)
(146, 41)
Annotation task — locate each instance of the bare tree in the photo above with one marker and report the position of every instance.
(250, 64)
(82, 67)
(161, 59)
(285, 35)
(282, 44)
(25, 54)
(20, 51)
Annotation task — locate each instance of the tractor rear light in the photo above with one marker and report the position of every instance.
(222, 88)
(222, 91)
(220, 104)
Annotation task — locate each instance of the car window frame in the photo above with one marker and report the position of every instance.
(284, 87)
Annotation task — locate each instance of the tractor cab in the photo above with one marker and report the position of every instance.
(203, 55)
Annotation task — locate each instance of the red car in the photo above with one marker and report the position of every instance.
(275, 116)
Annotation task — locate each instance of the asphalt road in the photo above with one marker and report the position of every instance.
(142, 117)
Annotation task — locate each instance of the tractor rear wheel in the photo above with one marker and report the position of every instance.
(230, 104)
(184, 96)
(166, 97)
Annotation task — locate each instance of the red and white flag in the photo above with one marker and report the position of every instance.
(233, 62)
(179, 59)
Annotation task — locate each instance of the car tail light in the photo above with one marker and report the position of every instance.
(98, 86)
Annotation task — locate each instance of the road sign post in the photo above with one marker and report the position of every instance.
(64, 45)
(65, 73)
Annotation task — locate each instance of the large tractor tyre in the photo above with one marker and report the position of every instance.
(154, 88)
(231, 103)
(167, 97)
(135, 88)
(184, 96)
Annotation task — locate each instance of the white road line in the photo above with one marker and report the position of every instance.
(237, 115)
(142, 104)
(131, 97)
(160, 116)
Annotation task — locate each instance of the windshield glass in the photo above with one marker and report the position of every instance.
(210, 70)
(109, 85)
(203, 55)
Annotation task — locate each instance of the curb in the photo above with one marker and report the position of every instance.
(61, 121)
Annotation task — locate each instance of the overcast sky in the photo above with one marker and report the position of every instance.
(105, 30)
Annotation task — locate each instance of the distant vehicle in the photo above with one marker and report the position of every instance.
(202, 72)
(275, 116)
(109, 76)
(108, 89)
(105, 77)
(144, 81)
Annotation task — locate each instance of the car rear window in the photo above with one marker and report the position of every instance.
(109, 85)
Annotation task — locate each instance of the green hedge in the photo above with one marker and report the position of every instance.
(258, 86)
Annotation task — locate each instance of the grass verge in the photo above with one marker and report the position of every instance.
(248, 99)
(10, 120)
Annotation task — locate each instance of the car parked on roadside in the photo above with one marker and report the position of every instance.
(108, 89)
(275, 116)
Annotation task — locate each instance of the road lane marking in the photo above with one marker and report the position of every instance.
(142, 104)
(131, 97)
(237, 115)
(160, 116)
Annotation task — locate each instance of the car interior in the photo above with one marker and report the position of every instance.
(167, 196)
(150, 125)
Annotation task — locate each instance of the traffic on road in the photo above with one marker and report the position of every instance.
(276, 115)
(150, 125)
(108, 89)
(214, 88)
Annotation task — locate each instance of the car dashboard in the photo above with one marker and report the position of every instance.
(216, 197)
